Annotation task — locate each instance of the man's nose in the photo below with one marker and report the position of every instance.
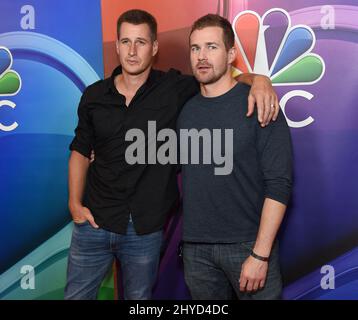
(132, 50)
(202, 54)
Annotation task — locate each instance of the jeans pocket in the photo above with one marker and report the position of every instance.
(81, 224)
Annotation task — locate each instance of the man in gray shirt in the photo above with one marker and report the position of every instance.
(231, 213)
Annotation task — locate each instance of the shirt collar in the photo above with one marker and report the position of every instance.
(152, 78)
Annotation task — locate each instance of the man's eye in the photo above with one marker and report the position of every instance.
(124, 41)
(141, 42)
(212, 47)
(194, 49)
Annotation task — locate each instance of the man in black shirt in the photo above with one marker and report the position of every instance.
(231, 216)
(119, 209)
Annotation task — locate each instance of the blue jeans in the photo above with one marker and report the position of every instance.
(212, 271)
(91, 256)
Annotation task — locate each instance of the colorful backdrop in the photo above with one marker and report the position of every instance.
(51, 50)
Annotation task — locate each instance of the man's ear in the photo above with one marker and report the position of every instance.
(232, 55)
(155, 47)
(117, 46)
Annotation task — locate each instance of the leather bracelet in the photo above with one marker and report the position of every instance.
(253, 254)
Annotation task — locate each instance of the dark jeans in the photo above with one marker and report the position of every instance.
(91, 256)
(212, 271)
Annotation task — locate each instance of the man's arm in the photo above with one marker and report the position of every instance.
(81, 147)
(77, 172)
(254, 271)
(263, 95)
(275, 153)
(271, 218)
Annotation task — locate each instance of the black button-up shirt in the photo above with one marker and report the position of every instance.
(114, 189)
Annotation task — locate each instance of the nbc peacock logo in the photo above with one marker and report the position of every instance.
(10, 81)
(269, 45)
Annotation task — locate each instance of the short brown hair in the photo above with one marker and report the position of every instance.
(215, 20)
(136, 17)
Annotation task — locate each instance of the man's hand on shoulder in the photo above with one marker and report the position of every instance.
(264, 96)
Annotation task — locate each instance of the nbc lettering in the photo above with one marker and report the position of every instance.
(271, 46)
(10, 84)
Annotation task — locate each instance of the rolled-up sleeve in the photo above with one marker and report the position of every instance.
(83, 140)
(275, 152)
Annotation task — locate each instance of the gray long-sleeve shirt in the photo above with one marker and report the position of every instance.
(226, 208)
